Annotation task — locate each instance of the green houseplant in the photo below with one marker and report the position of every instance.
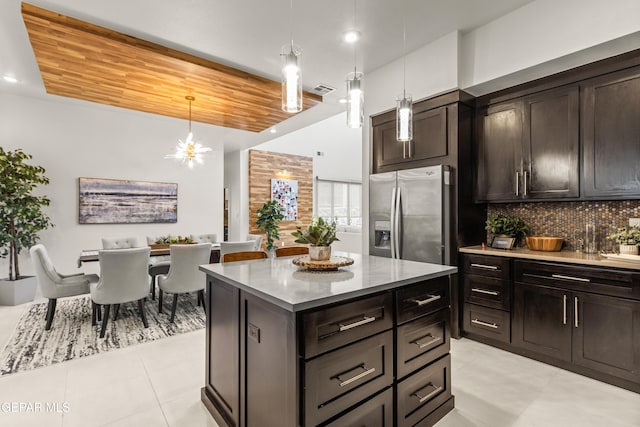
(511, 226)
(269, 216)
(21, 219)
(628, 238)
(320, 235)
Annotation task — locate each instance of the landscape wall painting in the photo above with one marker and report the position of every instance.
(285, 191)
(112, 201)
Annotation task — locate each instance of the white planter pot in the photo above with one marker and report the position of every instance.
(18, 291)
(629, 249)
(319, 253)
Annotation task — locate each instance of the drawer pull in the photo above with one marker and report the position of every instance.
(355, 378)
(484, 291)
(426, 344)
(356, 324)
(431, 298)
(485, 266)
(487, 324)
(421, 398)
(575, 279)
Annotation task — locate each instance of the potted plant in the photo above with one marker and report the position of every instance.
(628, 238)
(21, 218)
(269, 216)
(505, 225)
(320, 235)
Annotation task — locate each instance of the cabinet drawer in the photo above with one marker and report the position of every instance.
(340, 379)
(423, 392)
(336, 326)
(488, 322)
(422, 341)
(375, 412)
(580, 278)
(488, 266)
(487, 291)
(423, 298)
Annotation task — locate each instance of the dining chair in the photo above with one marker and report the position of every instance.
(292, 250)
(120, 242)
(257, 238)
(124, 277)
(54, 285)
(184, 276)
(227, 247)
(243, 256)
(205, 238)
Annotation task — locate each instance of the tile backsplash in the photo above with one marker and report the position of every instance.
(569, 219)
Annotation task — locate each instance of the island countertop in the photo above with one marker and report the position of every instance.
(280, 282)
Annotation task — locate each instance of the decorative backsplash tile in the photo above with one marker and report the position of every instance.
(569, 219)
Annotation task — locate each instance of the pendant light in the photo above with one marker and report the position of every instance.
(188, 151)
(291, 73)
(355, 95)
(404, 105)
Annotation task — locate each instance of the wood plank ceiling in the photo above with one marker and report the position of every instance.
(81, 60)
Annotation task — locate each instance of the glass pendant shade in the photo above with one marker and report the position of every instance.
(404, 118)
(291, 79)
(355, 100)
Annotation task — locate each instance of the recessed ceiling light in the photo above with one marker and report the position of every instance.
(9, 79)
(273, 130)
(351, 36)
(342, 100)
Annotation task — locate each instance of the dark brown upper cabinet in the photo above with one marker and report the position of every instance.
(611, 135)
(528, 148)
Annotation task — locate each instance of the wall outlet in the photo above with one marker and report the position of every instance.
(634, 222)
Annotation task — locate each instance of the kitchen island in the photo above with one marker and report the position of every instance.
(287, 347)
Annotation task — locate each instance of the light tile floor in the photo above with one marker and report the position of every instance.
(158, 384)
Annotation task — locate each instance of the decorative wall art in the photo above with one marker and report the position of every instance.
(285, 191)
(113, 201)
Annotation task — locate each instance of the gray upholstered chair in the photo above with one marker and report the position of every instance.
(54, 285)
(228, 247)
(257, 238)
(205, 238)
(184, 275)
(124, 277)
(120, 243)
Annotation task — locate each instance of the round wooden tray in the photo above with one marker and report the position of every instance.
(331, 264)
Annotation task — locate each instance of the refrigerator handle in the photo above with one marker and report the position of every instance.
(392, 231)
(396, 226)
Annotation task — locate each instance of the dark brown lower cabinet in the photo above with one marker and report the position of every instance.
(375, 412)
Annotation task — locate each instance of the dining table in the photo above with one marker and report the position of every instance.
(91, 255)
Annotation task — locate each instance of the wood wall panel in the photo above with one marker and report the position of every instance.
(265, 165)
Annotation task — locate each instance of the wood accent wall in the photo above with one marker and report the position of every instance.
(265, 165)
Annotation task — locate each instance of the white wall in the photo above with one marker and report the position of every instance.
(236, 179)
(73, 139)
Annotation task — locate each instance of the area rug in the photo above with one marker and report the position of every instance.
(72, 336)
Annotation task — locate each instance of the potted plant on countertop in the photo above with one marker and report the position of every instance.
(269, 216)
(628, 238)
(21, 218)
(505, 225)
(319, 235)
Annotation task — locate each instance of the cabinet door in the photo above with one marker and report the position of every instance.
(606, 335)
(387, 150)
(499, 152)
(611, 135)
(542, 320)
(429, 135)
(551, 138)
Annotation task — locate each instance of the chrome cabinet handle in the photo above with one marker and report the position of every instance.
(487, 324)
(426, 344)
(431, 298)
(575, 311)
(355, 378)
(485, 291)
(356, 324)
(517, 183)
(575, 279)
(485, 266)
(564, 309)
(524, 186)
(421, 398)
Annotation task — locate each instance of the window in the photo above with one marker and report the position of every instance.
(340, 201)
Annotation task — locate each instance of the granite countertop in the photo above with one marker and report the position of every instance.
(280, 282)
(571, 257)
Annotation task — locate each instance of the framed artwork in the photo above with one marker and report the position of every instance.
(285, 191)
(113, 201)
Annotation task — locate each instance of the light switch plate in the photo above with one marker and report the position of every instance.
(634, 222)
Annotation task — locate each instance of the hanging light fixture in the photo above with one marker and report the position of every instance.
(355, 95)
(404, 105)
(188, 151)
(291, 73)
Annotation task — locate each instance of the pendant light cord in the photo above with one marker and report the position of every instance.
(404, 50)
(291, 24)
(189, 116)
(355, 49)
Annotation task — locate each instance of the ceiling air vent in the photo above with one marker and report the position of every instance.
(322, 89)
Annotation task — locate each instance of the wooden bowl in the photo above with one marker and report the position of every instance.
(539, 243)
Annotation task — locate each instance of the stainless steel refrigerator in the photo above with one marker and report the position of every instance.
(409, 214)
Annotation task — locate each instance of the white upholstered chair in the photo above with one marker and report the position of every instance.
(120, 242)
(228, 247)
(257, 238)
(205, 238)
(124, 277)
(54, 285)
(184, 276)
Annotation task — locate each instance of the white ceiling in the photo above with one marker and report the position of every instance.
(248, 34)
